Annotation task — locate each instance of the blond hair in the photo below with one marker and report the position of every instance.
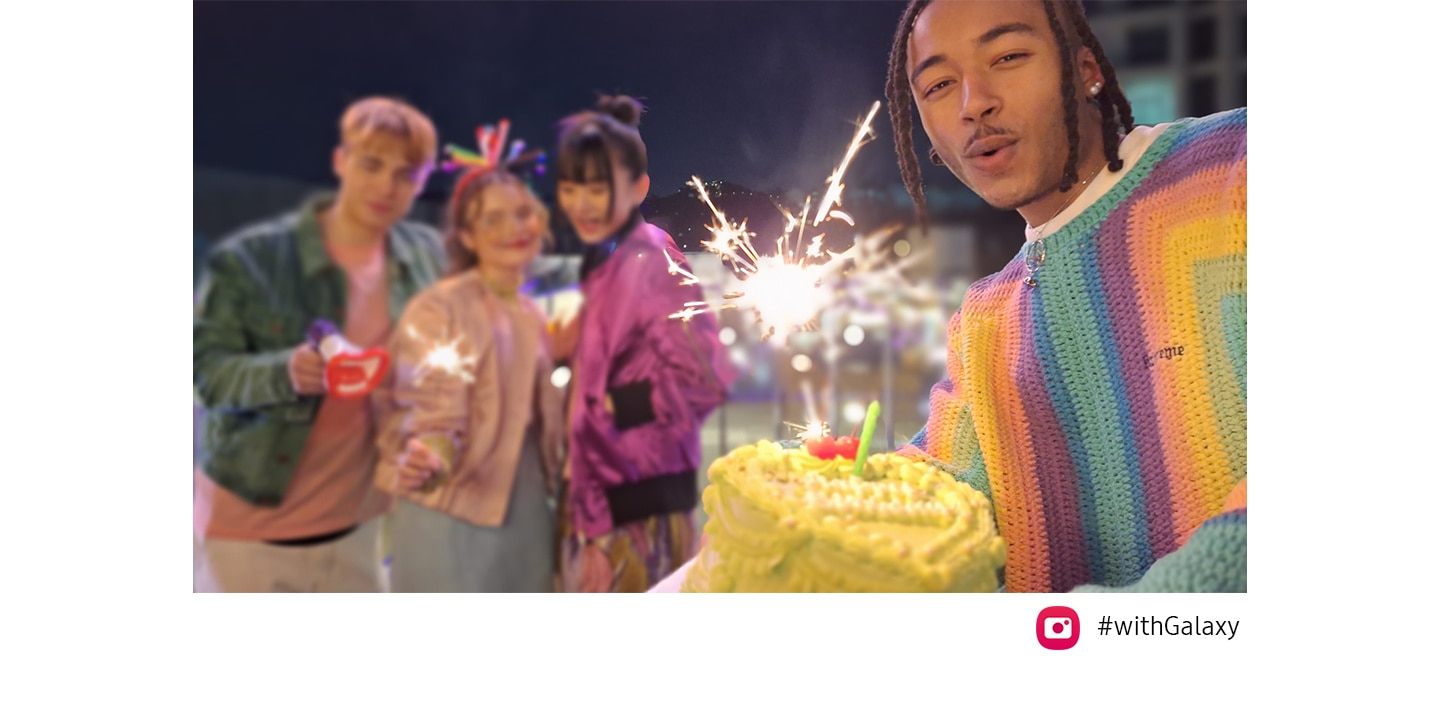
(382, 115)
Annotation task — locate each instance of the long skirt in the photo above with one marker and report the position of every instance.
(434, 552)
(642, 553)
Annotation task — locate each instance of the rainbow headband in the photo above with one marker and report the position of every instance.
(490, 139)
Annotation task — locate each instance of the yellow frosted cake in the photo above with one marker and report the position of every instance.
(784, 520)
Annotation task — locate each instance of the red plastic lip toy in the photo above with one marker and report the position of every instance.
(353, 374)
(350, 372)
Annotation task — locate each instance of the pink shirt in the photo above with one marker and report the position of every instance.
(333, 485)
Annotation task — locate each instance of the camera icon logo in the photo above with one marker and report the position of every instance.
(1057, 628)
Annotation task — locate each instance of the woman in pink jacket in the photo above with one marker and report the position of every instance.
(643, 382)
(472, 423)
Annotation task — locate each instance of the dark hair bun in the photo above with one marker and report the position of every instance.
(621, 107)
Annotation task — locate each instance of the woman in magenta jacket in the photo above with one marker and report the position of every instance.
(643, 382)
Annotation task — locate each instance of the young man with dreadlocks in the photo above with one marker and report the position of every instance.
(1095, 387)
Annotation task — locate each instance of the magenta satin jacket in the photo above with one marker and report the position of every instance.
(637, 455)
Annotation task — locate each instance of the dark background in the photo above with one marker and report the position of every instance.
(760, 96)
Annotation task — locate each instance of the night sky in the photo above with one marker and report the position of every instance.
(765, 94)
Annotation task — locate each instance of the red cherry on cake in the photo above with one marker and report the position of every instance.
(823, 448)
(847, 447)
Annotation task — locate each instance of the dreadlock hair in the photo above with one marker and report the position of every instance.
(1114, 107)
(466, 205)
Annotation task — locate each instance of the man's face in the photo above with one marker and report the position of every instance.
(986, 80)
(378, 181)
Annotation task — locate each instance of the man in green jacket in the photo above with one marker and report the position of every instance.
(284, 492)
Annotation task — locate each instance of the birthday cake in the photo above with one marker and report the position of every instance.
(798, 519)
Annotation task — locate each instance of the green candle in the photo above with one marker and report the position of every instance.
(871, 415)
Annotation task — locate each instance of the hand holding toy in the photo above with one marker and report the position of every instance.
(350, 371)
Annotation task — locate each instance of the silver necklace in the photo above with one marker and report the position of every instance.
(1035, 249)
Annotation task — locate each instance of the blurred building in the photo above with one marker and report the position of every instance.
(1174, 59)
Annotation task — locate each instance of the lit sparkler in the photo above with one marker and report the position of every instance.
(786, 290)
(445, 357)
(815, 428)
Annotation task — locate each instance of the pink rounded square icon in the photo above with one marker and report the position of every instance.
(1057, 628)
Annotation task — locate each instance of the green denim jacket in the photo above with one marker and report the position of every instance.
(260, 290)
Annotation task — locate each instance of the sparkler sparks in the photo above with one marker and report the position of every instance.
(815, 428)
(445, 357)
(787, 290)
(813, 431)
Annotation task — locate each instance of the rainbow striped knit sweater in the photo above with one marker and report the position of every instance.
(1103, 410)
